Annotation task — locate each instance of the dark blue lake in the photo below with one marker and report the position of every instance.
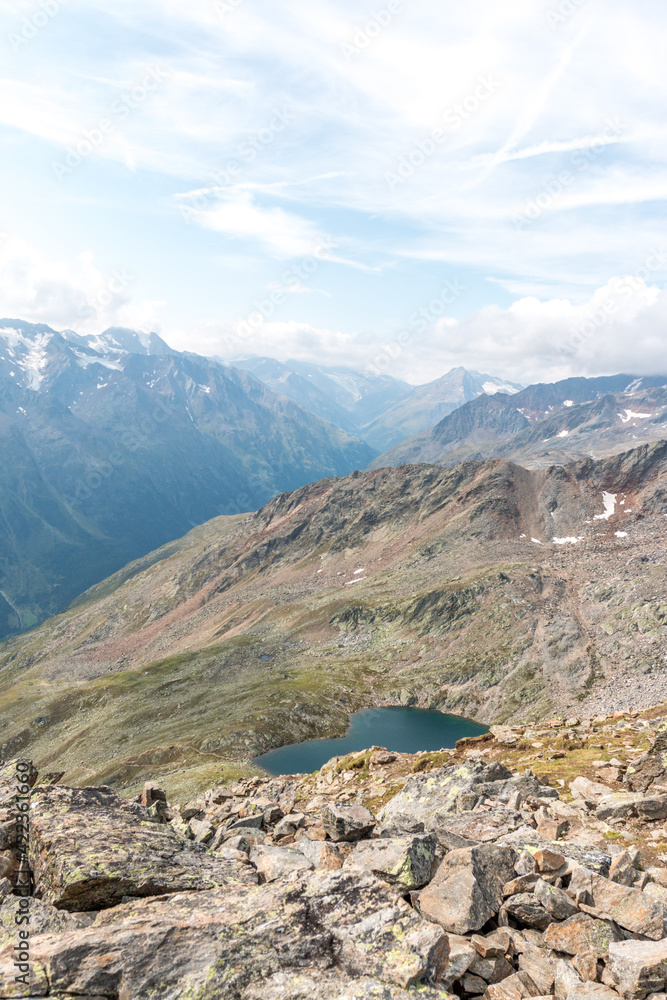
(406, 730)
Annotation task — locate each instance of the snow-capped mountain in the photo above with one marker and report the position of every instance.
(111, 446)
(378, 408)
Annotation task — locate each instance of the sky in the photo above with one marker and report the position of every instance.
(399, 186)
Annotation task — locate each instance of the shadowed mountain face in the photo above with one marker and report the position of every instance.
(485, 590)
(113, 445)
(545, 424)
(377, 408)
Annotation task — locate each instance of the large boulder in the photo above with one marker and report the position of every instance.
(221, 942)
(427, 801)
(638, 967)
(630, 908)
(404, 862)
(347, 822)
(651, 767)
(581, 933)
(89, 848)
(277, 862)
(314, 985)
(468, 887)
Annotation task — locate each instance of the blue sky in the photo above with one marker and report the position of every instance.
(403, 186)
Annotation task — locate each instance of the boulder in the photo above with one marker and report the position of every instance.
(462, 954)
(638, 967)
(348, 822)
(321, 853)
(623, 805)
(555, 901)
(589, 791)
(289, 824)
(427, 800)
(44, 919)
(592, 991)
(516, 987)
(468, 887)
(221, 942)
(89, 849)
(651, 767)
(581, 933)
(527, 910)
(631, 908)
(586, 965)
(404, 862)
(277, 862)
(312, 984)
(203, 831)
(540, 967)
(566, 979)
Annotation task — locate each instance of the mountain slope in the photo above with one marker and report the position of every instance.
(609, 414)
(487, 590)
(379, 409)
(108, 454)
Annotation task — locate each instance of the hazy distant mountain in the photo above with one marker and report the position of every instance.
(113, 445)
(382, 410)
(545, 424)
(429, 403)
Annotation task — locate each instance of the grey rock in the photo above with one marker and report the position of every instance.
(638, 967)
(581, 933)
(221, 942)
(89, 849)
(277, 862)
(404, 862)
(347, 822)
(555, 901)
(527, 910)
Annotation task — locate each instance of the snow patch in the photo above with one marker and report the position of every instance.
(609, 500)
(568, 402)
(569, 540)
(358, 580)
(491, 388)
(358, 571)
(631, 415)
(563, 434)
(621, 534)
(536, 540)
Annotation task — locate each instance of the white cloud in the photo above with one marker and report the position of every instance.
(74, 295)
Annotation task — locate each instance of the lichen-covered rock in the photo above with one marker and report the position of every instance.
(631, 908)
(555, 901)
(89, 848)
(321, 853)
(220, 942)
(652, 766)
(528, 910)
(404, 862)
(427, 801)
(638, 967)
(581, 933)
(468, 887)
(313, 985)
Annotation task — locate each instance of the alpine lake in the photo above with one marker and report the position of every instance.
(403, 730)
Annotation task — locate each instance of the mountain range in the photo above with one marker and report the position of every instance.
(545, 424)
(381, 410)
(116, 444)
(486, 590)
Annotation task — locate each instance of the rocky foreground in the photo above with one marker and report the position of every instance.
(466, 877)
